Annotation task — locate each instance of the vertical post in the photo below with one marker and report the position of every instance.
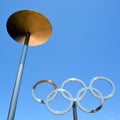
(74, 111)
(16, 89)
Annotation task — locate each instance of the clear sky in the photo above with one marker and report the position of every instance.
(85, 43)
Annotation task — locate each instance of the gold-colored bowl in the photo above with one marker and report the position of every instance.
(24, 21)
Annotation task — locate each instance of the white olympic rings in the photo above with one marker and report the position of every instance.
(67, 95)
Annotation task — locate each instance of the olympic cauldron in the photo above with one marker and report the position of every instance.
(74, 100)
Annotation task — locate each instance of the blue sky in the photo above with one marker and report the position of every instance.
(85, 43)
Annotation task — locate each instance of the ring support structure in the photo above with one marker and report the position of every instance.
(73, 101)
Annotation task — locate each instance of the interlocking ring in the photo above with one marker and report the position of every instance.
(67, 95)
(74, 80)
(55, 92)
(95, 109)
(106, 79)
(39, 83)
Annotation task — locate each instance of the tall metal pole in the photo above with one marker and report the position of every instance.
(36, 29)
(15, 93)
(74, 111)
